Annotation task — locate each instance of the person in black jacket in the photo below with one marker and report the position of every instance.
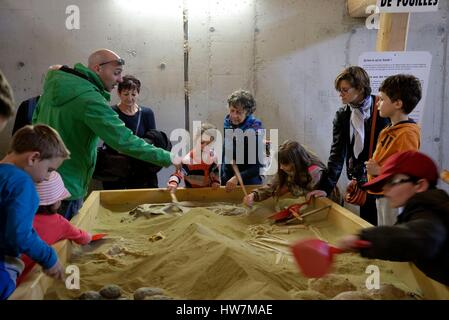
(25, 113)
(351, 134)
(421, 234)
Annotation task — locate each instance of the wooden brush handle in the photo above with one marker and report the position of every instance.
(239, 177)
(173, 197)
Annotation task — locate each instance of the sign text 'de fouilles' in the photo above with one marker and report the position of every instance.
(407, 5)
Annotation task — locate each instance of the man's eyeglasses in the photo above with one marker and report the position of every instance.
(396, 182)
(119, 61)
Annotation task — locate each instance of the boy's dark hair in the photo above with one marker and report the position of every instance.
(244, 99)
(41, 138)
(7, 106)
(357, 77)
(129, 83)
(404, 87)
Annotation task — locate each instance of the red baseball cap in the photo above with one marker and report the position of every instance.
(411, 163)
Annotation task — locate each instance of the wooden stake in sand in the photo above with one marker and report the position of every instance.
(37, 280)
(173, 197)
(175, 202)
(239, 177)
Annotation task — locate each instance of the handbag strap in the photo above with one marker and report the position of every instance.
(373, 128)
(138, 120)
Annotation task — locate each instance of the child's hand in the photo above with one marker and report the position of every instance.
(348, 243)
(56, 272)
(372, 167)
(249, 200)
(231, 184)
(176, 161)
(316, 194)
(215, 185)
(172, 186)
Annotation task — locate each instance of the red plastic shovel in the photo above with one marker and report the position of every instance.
(98, 236)
(288, 213)
(314, 257)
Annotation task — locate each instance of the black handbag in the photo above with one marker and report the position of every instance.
(111, 166)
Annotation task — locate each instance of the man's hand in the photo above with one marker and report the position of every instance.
(56, 272)
(372, 167)
(55, 67)
(249, 200)
(231, 184)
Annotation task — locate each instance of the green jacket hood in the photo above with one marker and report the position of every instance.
(63, 87)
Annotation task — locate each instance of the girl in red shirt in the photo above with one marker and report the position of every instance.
(49, 225)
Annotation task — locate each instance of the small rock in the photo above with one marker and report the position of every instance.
(387, 292)
(156, 237)
(90, 295)
(111, 291)
(331, 285)
(142, 293)
(116, 250)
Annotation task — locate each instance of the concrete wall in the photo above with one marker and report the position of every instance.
(287, 52)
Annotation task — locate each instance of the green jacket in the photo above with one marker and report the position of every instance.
(79, 110)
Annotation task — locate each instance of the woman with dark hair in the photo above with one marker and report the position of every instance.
(139, 120)
(300, 171)
(351, 134)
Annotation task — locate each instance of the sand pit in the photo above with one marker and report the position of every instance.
(212, 251)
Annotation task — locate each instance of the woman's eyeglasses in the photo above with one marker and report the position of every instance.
(344, 90)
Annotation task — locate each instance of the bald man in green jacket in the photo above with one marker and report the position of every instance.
(75, 102)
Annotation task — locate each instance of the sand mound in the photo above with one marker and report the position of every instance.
(201, 255)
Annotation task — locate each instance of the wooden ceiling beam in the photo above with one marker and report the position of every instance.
(393, 32)
(357, 8)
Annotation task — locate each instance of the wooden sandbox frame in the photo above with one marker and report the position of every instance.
(35, 285)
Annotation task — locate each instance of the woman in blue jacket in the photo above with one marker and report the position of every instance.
(243, 141)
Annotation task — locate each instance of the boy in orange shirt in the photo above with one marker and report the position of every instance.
(398, 96)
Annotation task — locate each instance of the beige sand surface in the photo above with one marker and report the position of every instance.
(205, 254)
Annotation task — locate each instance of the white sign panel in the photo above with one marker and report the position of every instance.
(407, 5)
(380, 65)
